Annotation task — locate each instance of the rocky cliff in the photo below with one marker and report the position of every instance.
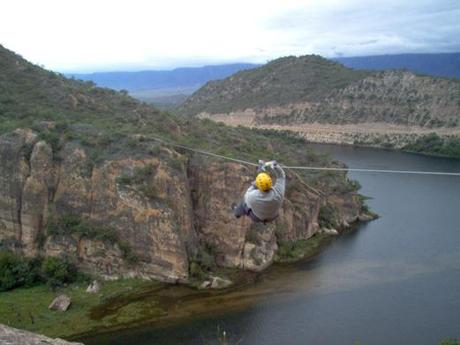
(185, 209)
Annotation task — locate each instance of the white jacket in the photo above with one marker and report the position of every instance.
(266, 205)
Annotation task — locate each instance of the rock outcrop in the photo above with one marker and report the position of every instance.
(60, 303)
(160, 208)
(9, 335)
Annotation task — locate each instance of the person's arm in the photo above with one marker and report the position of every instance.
(280, 184)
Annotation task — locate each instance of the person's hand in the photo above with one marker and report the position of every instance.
(271, 164)
(262, 166)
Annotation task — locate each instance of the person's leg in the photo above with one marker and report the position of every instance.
(253, 217)
(240, 209)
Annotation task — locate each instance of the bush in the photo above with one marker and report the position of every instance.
(128, 254)
(434, 144)
(58, 272)
(327, 217)
(53, 139)
(450, 342)
(16, 271)
(202, 263)
(69, 224)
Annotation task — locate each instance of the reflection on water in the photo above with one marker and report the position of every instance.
(396, 280)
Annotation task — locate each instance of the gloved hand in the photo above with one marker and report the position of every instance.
(262, 166)
(272, 164)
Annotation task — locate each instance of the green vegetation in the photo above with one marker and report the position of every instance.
(281, 81)
(69, 224)
(291, 251)
(141, 179)
(17, 271)
(27, 308)
(450, 341)
(202, 263)
(58, 272)
(433, 144)
(327, 217)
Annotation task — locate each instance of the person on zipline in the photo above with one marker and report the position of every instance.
(262, 200)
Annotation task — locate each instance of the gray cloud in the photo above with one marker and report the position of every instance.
(364, 27)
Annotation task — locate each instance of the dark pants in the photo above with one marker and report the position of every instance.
(243, 209)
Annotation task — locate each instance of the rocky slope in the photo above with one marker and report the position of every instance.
(94, 185)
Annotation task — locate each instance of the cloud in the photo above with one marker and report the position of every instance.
(362, 28)
(140, 34)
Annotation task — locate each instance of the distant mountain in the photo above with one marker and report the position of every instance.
(442, 65)
(280, 82)
(311, 89)
(180, 78)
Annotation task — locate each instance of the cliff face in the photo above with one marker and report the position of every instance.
(160, 220)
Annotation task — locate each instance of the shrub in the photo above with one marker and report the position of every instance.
(327, 217)
(58, 272)
(128, 254)
(53, 139)
(202, 262)
(16, 271)
(69, 224)
(450, 342)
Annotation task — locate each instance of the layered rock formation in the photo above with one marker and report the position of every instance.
(181, 204)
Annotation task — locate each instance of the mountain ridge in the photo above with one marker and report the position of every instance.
(435, 64)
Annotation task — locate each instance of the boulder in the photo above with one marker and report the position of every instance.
(9, 335)
(94, 287)
(60, 303)
(220, 283)
(206, 284)
(332, 232)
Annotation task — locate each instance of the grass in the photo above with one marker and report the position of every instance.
(433, 144)
(291, 251)
(27, 308)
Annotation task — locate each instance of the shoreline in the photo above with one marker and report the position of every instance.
(370, 135)
(133, 303)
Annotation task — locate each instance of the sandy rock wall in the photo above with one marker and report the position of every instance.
(163, 215)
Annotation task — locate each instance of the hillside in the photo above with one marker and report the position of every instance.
(278, 83)
(84, 178)
(322, 100)
(440, 65)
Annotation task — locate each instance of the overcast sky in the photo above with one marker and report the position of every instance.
(95, 35)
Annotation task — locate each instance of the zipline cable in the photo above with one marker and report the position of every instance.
(414, 172)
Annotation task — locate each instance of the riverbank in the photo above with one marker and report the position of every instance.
(439, 142)
(132, 302)
(27, 308)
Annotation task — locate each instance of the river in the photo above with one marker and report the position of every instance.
(395, 280)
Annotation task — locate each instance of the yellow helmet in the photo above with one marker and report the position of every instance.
(263, 182)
